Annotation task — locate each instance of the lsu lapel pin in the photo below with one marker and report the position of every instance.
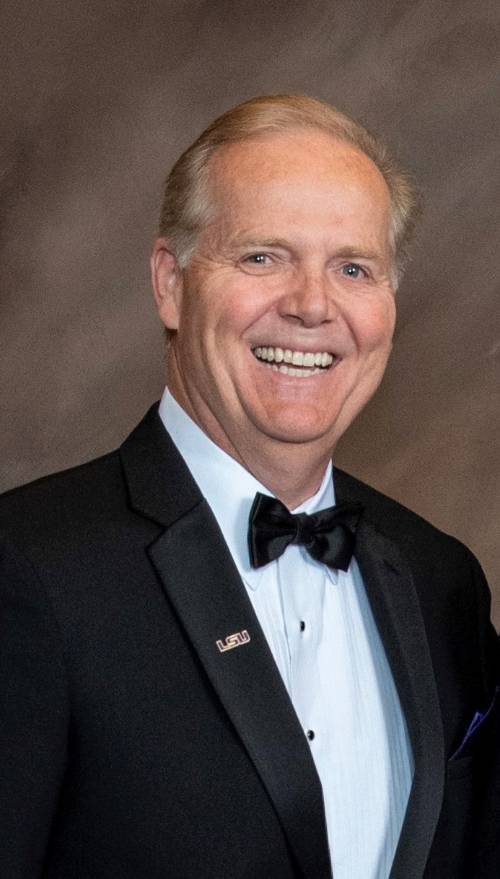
(235, 640)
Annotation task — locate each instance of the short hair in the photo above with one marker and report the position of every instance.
(186, 207)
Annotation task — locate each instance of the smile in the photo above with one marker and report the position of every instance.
(295, 363)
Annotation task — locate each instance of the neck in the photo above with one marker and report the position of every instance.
(292, 472)
(286, 476)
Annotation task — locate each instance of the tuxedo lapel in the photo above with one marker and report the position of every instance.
(395, 606)
(201, 582)
(396, 609)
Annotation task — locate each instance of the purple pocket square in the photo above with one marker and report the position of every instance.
(476, 722)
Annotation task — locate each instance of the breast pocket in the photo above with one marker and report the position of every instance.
(477, 732)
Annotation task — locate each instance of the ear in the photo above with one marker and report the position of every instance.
(166, 277)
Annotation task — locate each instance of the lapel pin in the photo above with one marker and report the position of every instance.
(234, 640)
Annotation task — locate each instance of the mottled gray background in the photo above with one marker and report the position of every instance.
(99, 99)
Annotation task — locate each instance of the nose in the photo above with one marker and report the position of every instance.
(309, 301)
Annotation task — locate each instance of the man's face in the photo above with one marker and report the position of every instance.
(296, 265)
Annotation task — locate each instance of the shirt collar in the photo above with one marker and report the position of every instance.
(226, 485)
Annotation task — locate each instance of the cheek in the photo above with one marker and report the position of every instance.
(374, 327)
(233, 314)
(211, 331)
(197, 318)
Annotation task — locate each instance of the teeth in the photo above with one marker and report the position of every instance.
(298, 373)
(292, 370)
(295, 358)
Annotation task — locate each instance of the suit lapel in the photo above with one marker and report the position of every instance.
(396, 609)
(203, 585)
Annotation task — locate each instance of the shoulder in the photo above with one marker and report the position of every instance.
(76, 485)
(78, 499)
(52, 512)
(451, 587)
(414, 534)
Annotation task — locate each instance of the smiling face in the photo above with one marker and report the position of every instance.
(284, 317)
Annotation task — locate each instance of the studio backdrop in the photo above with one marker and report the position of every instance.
(98, 101)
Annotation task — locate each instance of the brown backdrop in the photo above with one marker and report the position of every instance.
(99, 98)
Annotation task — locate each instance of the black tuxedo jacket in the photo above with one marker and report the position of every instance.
(132, 747)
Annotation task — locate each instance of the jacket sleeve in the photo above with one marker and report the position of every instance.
(33, 717)
(487, 636)
(487, 865)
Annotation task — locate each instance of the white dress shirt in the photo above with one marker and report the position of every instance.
(323, 637)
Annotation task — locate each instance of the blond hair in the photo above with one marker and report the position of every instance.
(186, 206)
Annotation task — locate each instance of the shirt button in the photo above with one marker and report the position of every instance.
(310, 734)
(302, 625)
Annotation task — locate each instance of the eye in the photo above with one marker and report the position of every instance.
(257, 259)
(353, 270)
(258, 263)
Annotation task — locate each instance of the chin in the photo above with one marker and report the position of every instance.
(297, 425)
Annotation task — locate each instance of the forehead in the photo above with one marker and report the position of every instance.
(305, 156)
(306, 175)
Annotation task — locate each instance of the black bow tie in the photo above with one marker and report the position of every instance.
(328, 535)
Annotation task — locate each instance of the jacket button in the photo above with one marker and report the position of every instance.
(310, 734)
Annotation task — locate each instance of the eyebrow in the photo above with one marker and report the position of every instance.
(260, 243)
(357, 253)
(347, 252)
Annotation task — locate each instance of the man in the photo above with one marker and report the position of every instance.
(179, 700)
